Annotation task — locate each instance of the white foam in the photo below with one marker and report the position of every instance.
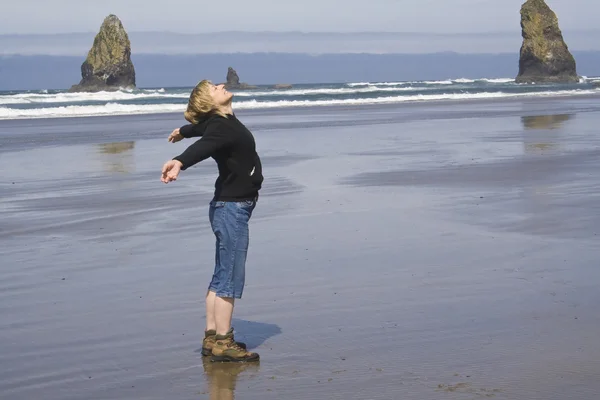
(43, 97)
(32, 98)
(321, 91)
(70, 98)
(463, 80)
(402, 99)
(353, 84)
(88, 111)
(161, 90)
(126, 109)
(378, 84)
(466, 80)
(38, 98)
(447, 82)
(439, 82)
(498, 80)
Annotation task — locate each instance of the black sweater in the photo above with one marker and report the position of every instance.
(232, 146)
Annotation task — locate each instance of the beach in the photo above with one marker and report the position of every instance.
(438, 250)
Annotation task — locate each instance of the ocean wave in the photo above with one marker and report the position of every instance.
(147, 94)
(37, 98)
(126, 109)
(590, 79)
(446, 82)
(496, 80)
(32, 98)
(357, 84)
(438, 82)
(321, 91)
(88, 111)
(403, 99)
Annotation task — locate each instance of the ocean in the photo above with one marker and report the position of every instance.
(60, 103)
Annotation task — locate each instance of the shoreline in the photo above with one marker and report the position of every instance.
(524, 98)
(21, 134)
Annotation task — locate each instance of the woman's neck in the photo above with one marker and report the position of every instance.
(227, 109)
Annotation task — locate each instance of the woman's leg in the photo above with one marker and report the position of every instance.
(236, 243)
(223, 314)
(211, 323)
(228, 281)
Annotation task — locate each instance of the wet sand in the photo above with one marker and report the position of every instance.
(427, 251)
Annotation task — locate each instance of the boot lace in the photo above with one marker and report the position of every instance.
(234, 345)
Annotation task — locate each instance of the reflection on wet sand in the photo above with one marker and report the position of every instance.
(537, 145)
(118, 156)
(222, 377)
(542, 137)
(545, 121)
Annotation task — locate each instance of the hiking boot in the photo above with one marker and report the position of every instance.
(209, 342)
(226, 349)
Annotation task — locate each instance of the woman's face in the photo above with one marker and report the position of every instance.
(220, 95)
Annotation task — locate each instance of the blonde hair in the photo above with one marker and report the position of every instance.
(201, 103)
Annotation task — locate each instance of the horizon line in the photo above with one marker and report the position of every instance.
(516, 31)
(301, 32)
(445, 52)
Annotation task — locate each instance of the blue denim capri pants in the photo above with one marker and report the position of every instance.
(229, 222)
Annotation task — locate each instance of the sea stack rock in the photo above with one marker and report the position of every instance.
(233, 81)
(108, 65)
(232, 77)
(545, 56)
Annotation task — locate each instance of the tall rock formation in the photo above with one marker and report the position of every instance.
(108, 64)
(232, 77)
(545, 56)
(233, 81)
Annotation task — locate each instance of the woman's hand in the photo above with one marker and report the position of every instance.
(170, 171)
(175, 136)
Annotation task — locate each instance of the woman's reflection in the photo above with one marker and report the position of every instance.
(222, 377)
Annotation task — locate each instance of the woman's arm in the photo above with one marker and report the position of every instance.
(212, 141)
(191, 130)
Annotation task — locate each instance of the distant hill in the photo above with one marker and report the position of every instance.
(78, 44)
(156, 70)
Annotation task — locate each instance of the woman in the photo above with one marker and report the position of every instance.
(232, 146)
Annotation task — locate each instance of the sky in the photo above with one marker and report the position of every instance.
(197, 16)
